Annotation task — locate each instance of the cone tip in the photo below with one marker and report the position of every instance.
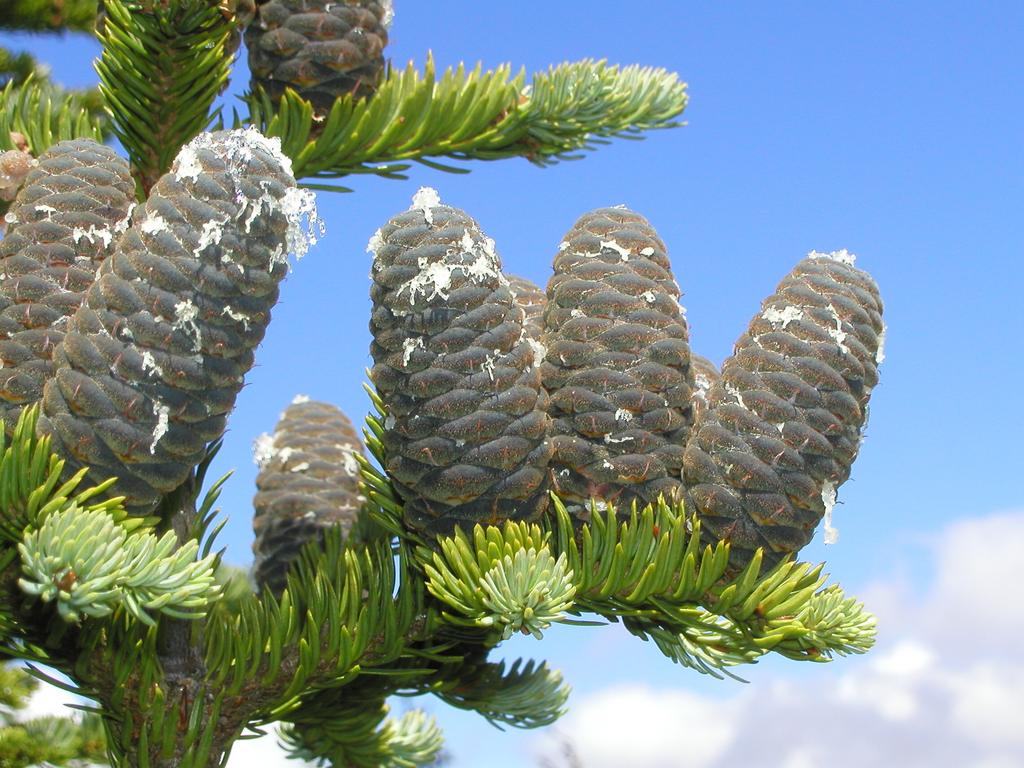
(843, 256)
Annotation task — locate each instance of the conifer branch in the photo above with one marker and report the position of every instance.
(653, 572)
(340, 610)
(31, 487)
(471, 115)
(45, 115)
(162, 66)
(526, 695)
(358, 735)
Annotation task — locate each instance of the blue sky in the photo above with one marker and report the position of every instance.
(893, 130)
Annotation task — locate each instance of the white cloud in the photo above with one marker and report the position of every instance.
(802, 757)
(944, 687)
(263, 751)
(988, 703)
(652, 718)
(50, 700)
(975, 561)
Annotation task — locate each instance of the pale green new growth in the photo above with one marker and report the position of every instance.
(707, 645)
(527, 592)
(91, 566)
(833, 620)
(415, 739)
(506, 578)
(90, 557)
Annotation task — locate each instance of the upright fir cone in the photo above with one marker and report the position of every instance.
(73, 206)
(151, 363)
(618, 364)
(308, 481)
(784, 424)
(322, 49)
(466, 427)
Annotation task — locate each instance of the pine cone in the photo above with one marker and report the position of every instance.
(618, 364)
(150, 365)
(705, 376)
(785, 420)
(465, 434)
(308, 481)
(323, 50)
(73, 207)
